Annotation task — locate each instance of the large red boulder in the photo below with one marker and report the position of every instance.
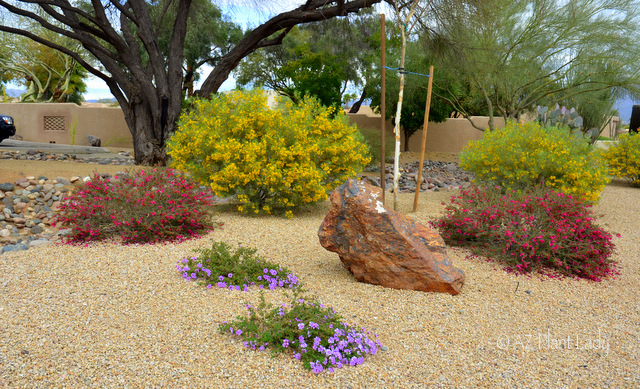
(380, 246)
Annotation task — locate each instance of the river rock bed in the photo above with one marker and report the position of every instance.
(123, 158)
(28, 207)
(436, 176)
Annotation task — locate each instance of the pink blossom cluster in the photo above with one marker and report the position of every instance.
(535, 229)
(158, 205)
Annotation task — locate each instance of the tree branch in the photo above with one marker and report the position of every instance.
(311, 11)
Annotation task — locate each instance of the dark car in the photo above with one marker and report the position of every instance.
(7, 128)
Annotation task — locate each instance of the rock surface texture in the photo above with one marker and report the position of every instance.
(383, 247)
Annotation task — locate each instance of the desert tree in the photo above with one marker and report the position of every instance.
(522, 53)
(49, 75)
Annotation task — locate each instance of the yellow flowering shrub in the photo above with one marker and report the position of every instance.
(623, 158)
(525, 155)
(270, 159)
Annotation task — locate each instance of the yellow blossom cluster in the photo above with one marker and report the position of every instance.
(524, 155)
(623, 158)
(271, 159)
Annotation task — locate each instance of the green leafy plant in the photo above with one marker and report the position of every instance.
(315, 334)
(147, 206)
(534, 230)
(519, 156)
(234, 269)
(5, 98)
(623, 158)
(270, 159)
(373, 141)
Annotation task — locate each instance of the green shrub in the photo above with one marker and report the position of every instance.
(372, 139)
(270, 159)
(623, 158)
(236, 270)
(525, 155)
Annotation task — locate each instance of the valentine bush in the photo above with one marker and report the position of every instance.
(147, 206)
(535, 229)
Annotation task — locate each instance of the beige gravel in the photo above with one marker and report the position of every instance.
(121, 316)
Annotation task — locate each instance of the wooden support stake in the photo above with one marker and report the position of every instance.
(383, 127)
(424, 139)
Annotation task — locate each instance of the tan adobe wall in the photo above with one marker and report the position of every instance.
(40, 122)
(448, 137)
(49, 123)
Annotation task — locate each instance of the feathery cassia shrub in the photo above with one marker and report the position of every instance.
(623, 158)
(520, 156)
(271, 159)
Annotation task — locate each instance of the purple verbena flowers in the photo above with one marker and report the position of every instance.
(307, 339)
(192, 269)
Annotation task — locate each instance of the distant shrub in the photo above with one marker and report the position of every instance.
(147, 206)
(525, 155)
(373, 141)
(535, 229)
(623, 158)
(270, 159)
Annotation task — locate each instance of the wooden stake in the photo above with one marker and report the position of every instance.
(424, 139)
(383, 127)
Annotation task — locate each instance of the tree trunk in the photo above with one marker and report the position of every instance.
(356, 106)
(151, 122)
(396, 129)
(490, 108)
(189, 75)
(407, 136)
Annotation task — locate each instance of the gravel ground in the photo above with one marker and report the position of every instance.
(114, 316)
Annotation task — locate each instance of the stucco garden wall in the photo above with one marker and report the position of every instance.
(57, 123)
(448, 137)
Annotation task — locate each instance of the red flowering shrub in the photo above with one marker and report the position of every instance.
(532, 230)
(150, 206)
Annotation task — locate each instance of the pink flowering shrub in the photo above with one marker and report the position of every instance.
(149, 206)
(537, 229)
